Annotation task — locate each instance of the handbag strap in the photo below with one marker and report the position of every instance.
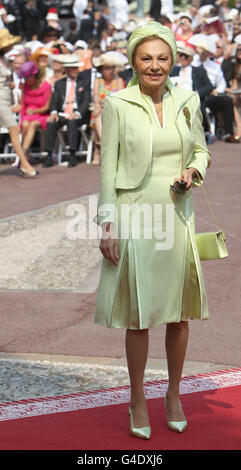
(209, 205)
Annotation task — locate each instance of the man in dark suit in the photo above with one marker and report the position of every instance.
(193, 78)
(69, 106)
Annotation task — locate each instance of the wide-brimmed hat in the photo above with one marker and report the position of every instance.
(40, 52)
(107, 59)
(184, 49)
(211, 19)
(56, 58)
(7, 39)
(203, 41)
(28, 69)
(70, 60)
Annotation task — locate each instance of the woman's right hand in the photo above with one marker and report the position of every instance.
(109, 244)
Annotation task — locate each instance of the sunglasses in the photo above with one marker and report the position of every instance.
(185, 56)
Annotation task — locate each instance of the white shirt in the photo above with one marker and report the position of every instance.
(214, 72)
(75, 105)
(68, 85)
(185, 78)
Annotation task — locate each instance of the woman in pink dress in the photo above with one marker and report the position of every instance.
(36, 99)
(183, 29)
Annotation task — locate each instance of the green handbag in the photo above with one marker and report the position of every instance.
(211, 245)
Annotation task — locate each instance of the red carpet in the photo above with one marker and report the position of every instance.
(99, 419)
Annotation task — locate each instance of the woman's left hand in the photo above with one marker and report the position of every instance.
(30, 111)
(187, 176)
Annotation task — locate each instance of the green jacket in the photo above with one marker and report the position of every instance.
(126, 143)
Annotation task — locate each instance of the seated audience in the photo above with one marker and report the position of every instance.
(217, 100)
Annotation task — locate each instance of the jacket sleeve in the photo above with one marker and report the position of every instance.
(205, 85)
(54, 104)
(85, 98)
(201, 158)
(109, 161)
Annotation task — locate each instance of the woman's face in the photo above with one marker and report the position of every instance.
(152, 62)
(108, 72)
(185, 25)
(43, 61)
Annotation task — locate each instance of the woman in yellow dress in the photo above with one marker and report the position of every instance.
(152, 140)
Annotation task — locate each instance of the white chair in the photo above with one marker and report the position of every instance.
(8, 150)
(85, 148)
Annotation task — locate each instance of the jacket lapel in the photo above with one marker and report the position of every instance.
(133, 95)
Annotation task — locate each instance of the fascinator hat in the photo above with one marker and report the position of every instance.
(28, 69)
(150, 30)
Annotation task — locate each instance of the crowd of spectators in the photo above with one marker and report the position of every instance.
(62, 76)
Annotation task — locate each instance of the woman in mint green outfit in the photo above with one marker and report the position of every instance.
(151, 272)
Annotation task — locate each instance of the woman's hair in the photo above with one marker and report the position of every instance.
(40, 75)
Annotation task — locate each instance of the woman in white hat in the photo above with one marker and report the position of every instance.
(7, 119)
(107, 83)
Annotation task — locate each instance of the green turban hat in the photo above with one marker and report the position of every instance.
(152, 29)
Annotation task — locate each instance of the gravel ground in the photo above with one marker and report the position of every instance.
(37, 252)
(24, 379)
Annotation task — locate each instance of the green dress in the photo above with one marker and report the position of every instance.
(152, 253)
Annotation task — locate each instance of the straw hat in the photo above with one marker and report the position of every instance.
(56, 58)
(107, 59)
(211, 19)
(203, 41)
(7, 39)
(70, 60)
(40, 52)
(183, 48)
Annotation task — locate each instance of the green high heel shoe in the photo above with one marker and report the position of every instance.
(142, 433)
(177, 426)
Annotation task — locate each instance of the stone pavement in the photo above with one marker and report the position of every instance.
(49, 344)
